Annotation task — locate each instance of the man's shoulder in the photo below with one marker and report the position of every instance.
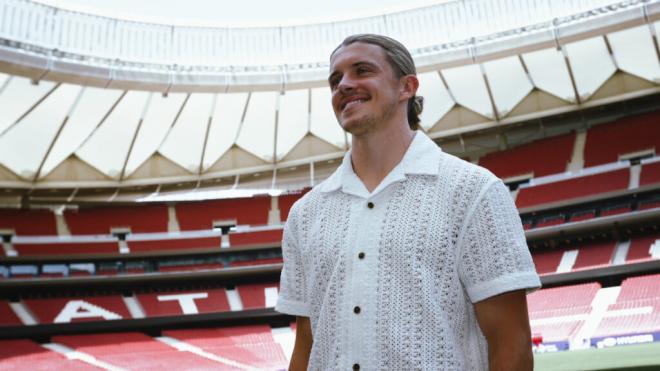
(465, 173)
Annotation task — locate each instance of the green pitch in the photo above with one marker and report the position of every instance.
(629, 357)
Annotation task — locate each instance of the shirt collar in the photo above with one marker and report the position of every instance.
(422, 157)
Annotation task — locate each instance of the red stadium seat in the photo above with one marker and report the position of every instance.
(29, 222)
(650, 173)
(253, 296)
(136, 351)
(273, 236)
(640, 248)
(100, 220)
(27, 355)
(547, 261)
(174, 303)
(201, 215)
(593, 255)
(606, 142)
(248, 345)
(542, 157)
(573, 188)
(76, 309)
(243, 263)
(638, 306)
(66, 248)
(190, 267)
(7, 315)
(173, 244)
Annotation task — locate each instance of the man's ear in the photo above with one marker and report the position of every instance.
(409, 86)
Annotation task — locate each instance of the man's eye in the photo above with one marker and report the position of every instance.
(362, 70)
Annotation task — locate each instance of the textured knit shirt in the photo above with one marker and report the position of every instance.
(389, 278)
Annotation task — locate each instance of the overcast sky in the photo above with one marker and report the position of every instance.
(240, 12)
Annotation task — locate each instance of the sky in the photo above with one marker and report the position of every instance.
(239, 13)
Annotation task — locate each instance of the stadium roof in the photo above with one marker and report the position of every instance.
(89, 101)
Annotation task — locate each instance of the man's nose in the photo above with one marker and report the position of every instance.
(346, 84)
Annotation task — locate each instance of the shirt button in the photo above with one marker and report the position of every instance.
(361, 255)
(356, 367)
(356, 310)
(370, 205)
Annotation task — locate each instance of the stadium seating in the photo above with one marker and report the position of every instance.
(190, 267)
(650, 174)
(243, 263)
(257, 237)
(101, 220)
(25, 354)
(28, 222)
(550, 221)
(135, 351)
(582, 215)
(172, 243)
(183, 302)
(638, 306)
(286, 201)
(572, 188)
(594, 255)
(640, 248)
(542, 157)
(249, 345)
(606, 142)
(201, 215)
(258, 295)
(7, 316)
(557, 313)
(66, 248)
(547, 261)
(75, 309)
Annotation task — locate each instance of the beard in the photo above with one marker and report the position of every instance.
(366, 123)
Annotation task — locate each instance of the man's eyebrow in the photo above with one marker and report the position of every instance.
(356, 64)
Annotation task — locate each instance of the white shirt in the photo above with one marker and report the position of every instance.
(388, 278)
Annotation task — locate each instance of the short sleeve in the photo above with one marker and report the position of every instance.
(493, 256)
(292, 297)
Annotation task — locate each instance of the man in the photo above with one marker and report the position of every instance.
(406, 258)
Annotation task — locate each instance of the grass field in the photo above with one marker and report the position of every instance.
(630, 357)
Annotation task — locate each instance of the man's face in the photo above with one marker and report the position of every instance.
(365, 89)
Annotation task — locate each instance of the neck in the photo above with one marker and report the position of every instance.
(376, 153)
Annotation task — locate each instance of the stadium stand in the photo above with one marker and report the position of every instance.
(18, 354)
(636, 311)
(606, 142)
(539, 158)
(650, 173)
(171, 243)
(190, 267)
(132, 350)
(640, 248)
(572, 188)
(172, 303)
(202, 215)
(582, 215)
(557, 313)
(28, 222)
(63, 247)
(616, 210)
(257, 237)
(594, 255)
(243, 263)
(258, 295)
(550, 221)
(74, 309)
(7, 315)
(101, 220)
(286, 201)
(249, 345)
(547, 261)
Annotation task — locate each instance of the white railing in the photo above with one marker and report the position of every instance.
(89, 35)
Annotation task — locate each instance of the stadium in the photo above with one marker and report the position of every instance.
(147, 170)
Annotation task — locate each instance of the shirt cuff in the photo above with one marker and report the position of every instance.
(516, 281)
(294, 308)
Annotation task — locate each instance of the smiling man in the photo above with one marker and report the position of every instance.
(406, 258)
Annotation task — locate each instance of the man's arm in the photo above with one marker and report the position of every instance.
(303, 345)
(505, 324)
